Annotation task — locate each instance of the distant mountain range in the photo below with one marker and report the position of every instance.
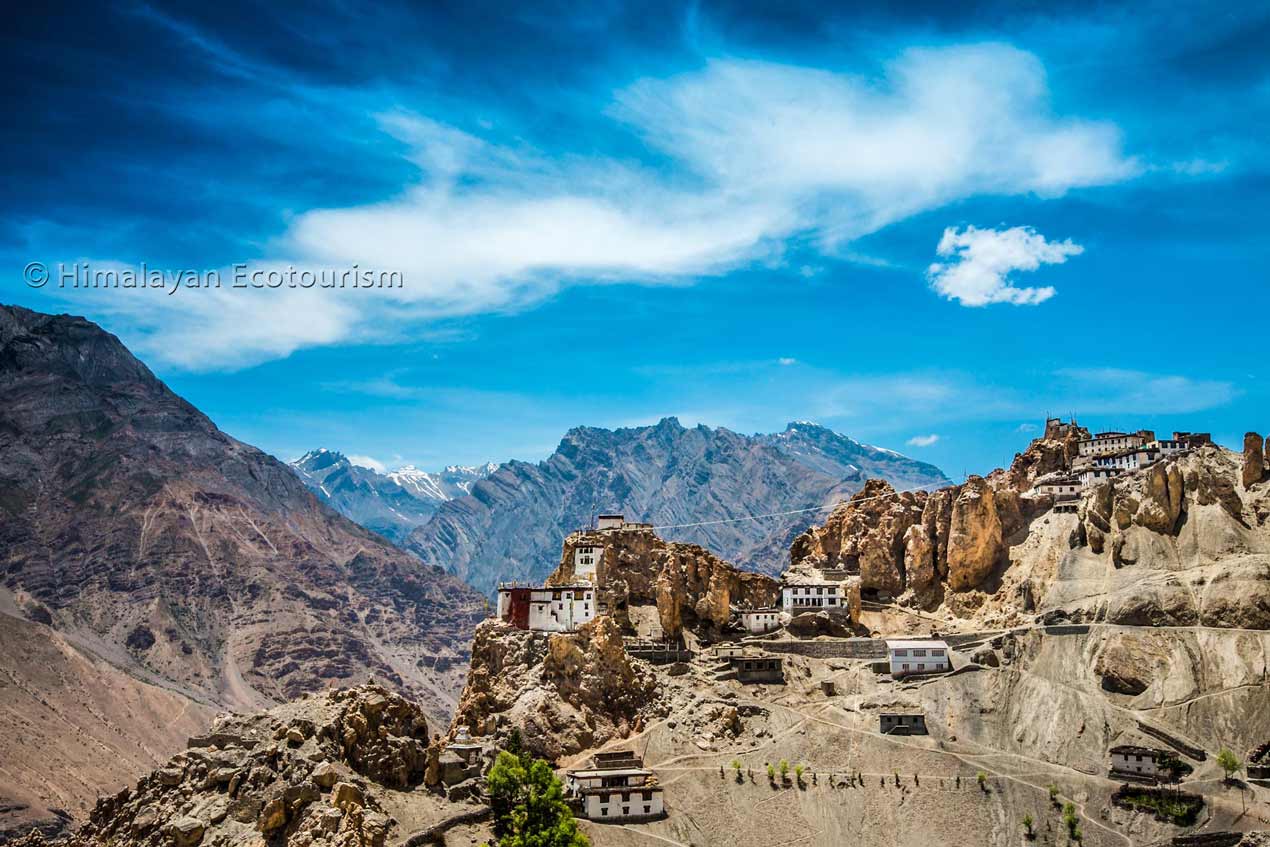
(390, 504)
(510, 524)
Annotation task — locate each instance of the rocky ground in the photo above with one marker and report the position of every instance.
(346, 768)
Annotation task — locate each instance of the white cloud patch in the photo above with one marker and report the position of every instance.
(786, 361)
(922, 440)
(984, 259)
(368, 462)
(750, 155)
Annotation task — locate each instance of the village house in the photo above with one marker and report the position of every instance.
(464, 746)
(897, 723)
(758, 668)
(617, 787)
(558, 608)
(604, 522)
(802, 598)
(1135, 761)
(1095, 475)
(759, 621)
(1060, 487)
(907, 657)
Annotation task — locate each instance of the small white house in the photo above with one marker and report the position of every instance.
(759, 621)
(617, 787)
(820, 595)
(908, 657)
(1059, 487)
(586, 558)
(610, 521)
(1143, 761)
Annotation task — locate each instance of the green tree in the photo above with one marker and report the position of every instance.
(784, 766)
(1027, 827)
(1054, 794)
(1228, 762)
(528, 803)
(982, 776)
(1072, 821)
(736, 766)
(771, 774)
(798, 773)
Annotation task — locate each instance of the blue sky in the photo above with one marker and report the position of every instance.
(927, 227)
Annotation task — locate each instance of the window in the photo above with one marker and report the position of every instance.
(919, 652)
(901, 652)
(904, 666)
(648, 810)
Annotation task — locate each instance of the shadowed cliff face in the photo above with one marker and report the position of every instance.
(511, 525)
(131, 523)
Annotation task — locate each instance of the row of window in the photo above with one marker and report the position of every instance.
(919, 651)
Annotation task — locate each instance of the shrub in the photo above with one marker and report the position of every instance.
(1228, 762)
(784, 766)
(982, 777)
(1027, 827)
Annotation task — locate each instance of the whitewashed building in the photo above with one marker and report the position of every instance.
(586, 561)
(759, 621)
(815, 596)
(617, 787)
(610, 521)
(1094, 475)
(909, 657)
(557, 608)
(1059, 487)
(1106, 443)
(1141, 761)
(1130, 460)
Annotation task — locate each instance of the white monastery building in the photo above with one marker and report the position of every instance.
(820, 595)
(617, 787)
(909, 657)
(557, 608)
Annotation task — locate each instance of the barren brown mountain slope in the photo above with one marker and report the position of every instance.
(142, 535)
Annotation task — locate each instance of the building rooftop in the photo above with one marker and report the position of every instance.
(906, 643)
(592, 773)
(1134, 750)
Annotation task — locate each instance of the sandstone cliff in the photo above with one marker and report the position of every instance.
(688, 585)
(564, 692)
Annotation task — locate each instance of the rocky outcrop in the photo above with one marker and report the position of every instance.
(563, 692)
(867, 534)
(689, 585)
(700, 480)
(309, 771)
(1254, 460)
(975, 539)
(1054, 451)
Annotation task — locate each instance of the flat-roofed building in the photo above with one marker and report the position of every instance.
(1129, 460)
(1097, 474)
(617, 787)
(902, 723)
(609, 521)
(759, 621)
(558, 608)
(1138, 761)
(913, 656)
(1106, 443)
(812, 596)
(1059, 487)
(586, 561)
(760, 668)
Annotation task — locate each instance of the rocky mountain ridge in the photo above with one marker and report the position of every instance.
(171, 557)
(511, 525)
(391, 504)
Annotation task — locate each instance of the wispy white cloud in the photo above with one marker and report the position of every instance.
(752, 156)
(786, 361)
(922, 440)
(982, 261)
(368, 462)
